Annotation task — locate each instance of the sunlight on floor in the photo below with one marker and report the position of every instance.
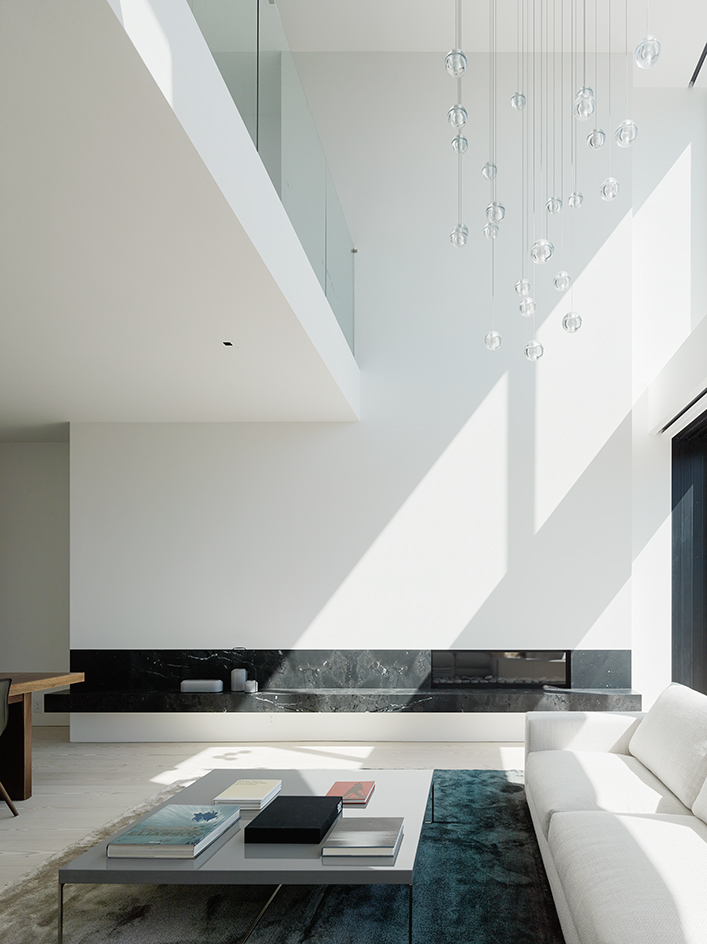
(266, 756)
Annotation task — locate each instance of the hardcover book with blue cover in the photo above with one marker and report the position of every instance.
(178, 831)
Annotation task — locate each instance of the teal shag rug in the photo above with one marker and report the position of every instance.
(479, 879)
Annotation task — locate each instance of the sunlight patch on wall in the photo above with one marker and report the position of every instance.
(612, 628)
(440, 556)
(148, 37)
(662, 273)
(583, 382)
(652, 615)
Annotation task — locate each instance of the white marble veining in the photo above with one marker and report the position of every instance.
(80, 786)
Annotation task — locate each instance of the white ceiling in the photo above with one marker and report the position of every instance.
(122, 268)
(428, 26)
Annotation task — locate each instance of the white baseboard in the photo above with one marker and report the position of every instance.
(50, 719)
(300, 726)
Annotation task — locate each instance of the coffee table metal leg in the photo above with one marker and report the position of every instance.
(262, 912)
(410, 915)
(60, 918)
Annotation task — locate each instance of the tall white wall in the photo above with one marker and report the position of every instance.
(34, 560)
(670, 346)
(481, 500)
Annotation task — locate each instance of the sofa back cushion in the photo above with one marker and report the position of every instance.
(699, 807)
(671, 741)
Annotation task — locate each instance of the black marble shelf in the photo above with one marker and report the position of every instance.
(350, 700)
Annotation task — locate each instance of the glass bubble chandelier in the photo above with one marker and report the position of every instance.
(556, 102)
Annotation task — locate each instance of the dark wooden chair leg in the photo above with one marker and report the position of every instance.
(6, 797)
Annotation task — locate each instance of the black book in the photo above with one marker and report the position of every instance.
(294, 819)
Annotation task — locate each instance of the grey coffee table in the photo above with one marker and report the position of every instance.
(229, 861)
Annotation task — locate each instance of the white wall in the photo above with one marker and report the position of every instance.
(34, 560)
(670, 345)
(481, 501)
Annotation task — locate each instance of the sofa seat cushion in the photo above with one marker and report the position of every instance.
(671, 741)
(633, 879)
(558, 781)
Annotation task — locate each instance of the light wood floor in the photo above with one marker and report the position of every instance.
(79, 787)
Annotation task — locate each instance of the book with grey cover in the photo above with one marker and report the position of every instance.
(250, 794)
(177, 831)
(365, 836)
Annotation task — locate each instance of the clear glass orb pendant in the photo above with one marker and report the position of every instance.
(596, 139)
(457, 116)
(527, 307)
(459, 235)
(572, 322)
(490, 231)
(609, 189)
(626, 133)
(455, 63)
(493, 340)
(534, 350)
(562, 281)
(518, 101)
(553, 205)
(460, 144)
(584, 104)
(541, 251)
(522, 288)
(489, 171)
(575, 199)
(647, 52)
(495, 212)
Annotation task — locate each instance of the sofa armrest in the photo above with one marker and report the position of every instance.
(608, 731)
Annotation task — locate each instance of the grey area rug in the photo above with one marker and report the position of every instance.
(479, 879)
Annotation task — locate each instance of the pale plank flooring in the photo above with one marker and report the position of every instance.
(79, 787)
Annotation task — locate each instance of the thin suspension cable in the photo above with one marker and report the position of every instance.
(526, 138)
(554, 101)
(493, 284)
(608, 7)
(533, 177)
(626, 59)
(518, 56)
(458, 25)
(543, 117)
(596, 55)
(562, 128)
(584, 42)
(495, 97)
(491, 160)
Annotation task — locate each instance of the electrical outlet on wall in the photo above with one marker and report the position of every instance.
(38, 702)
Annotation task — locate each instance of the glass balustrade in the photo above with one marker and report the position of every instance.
(248, 43)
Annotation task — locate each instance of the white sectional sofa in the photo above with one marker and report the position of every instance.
(619, 806)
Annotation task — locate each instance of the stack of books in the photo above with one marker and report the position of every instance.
(177, 831)
(365, 836)
(250, 794)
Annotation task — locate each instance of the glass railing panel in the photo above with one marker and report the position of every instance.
(303, 170)
(250, 48)
(339, 263)
(230, 28)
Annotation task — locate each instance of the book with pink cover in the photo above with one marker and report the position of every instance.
(353, 792)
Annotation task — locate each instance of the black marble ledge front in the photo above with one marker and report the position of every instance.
(352, 701)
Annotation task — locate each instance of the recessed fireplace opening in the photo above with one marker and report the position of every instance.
(491, 668)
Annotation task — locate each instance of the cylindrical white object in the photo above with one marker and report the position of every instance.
(251, 686)
(238, 680)
(201, 685)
